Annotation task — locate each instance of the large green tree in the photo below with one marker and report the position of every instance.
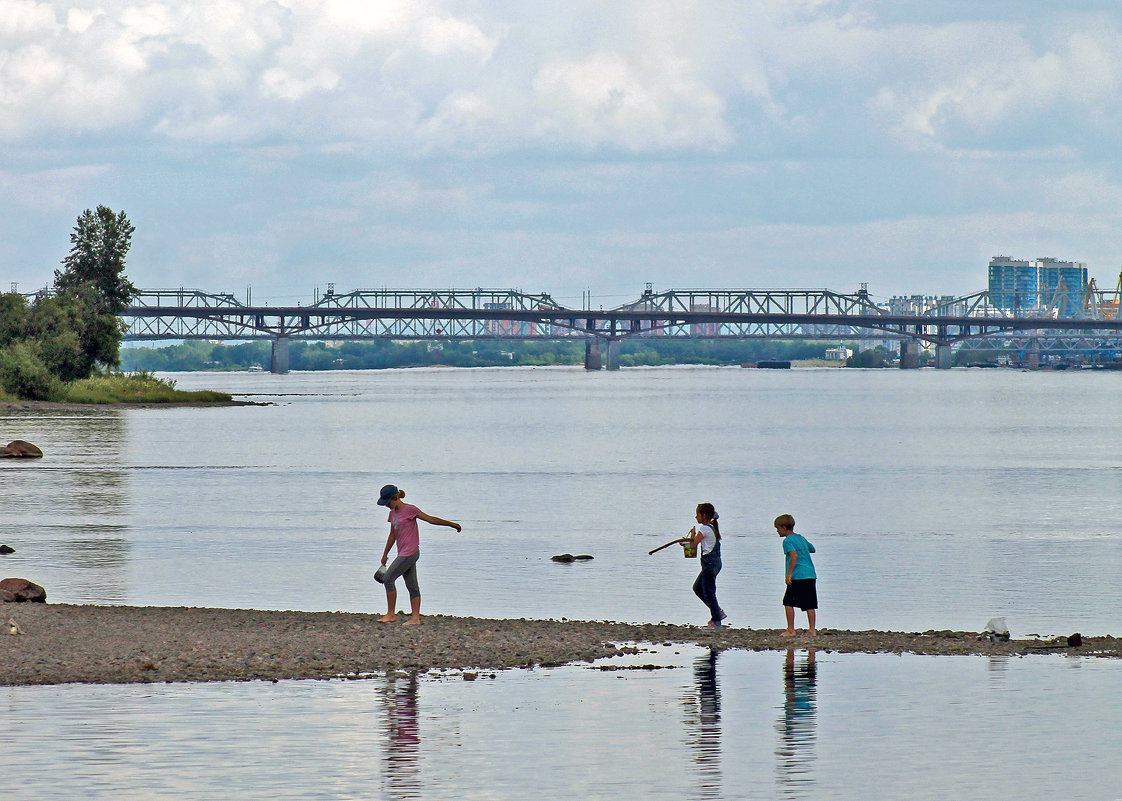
(99, 244)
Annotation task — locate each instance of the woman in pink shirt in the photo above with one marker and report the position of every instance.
(403, 532)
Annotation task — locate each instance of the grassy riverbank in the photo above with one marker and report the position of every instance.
(126, 388)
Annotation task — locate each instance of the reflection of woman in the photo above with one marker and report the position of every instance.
(402, 734)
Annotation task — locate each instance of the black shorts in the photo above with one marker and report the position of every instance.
(801, 593)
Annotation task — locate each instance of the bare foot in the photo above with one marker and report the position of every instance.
(413, 621)
(789, 634)
(813, 632)
(387, 619)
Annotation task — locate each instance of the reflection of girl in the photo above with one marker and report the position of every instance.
(707, 535)
(403, 533)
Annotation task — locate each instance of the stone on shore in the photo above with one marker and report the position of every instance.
(17, 590)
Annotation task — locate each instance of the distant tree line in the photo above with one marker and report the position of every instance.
(74, 329)
(379, 354)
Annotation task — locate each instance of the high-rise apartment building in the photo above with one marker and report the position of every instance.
(1037, 285)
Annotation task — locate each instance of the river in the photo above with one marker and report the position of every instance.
(936, 500)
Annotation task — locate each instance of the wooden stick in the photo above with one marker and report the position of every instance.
(667, 545)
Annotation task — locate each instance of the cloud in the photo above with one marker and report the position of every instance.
(51, 190)
(993, 78)
(645, 78)
(580, 141)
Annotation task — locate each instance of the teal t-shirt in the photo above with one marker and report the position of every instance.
(804, 567)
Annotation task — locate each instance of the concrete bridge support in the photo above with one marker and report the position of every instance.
(613, 354)
(279, 362)
(909, 354)
(593, 360)
(944, 357)
(1032, 355)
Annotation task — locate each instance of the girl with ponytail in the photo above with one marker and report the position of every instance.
(707, 535)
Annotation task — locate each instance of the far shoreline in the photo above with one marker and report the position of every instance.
(66, 406)
(64, 643)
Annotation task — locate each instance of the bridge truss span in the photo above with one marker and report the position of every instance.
(422, 314)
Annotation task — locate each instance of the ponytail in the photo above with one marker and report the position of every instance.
(708, 510)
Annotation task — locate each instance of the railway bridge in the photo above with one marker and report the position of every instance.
(510, 314)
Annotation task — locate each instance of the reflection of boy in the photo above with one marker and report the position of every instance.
(800, 576)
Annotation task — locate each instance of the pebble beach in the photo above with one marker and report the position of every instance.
(61, 643)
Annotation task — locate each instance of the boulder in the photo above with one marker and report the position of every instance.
(19, 590)
(7, 549)
(568, 557)
(19, 449)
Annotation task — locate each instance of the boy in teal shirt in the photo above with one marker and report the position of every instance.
(800, 576)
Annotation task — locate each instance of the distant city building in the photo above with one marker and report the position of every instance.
(838, 354)
(1037, 285)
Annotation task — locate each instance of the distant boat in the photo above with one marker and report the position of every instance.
(770, 364)
(256, 368)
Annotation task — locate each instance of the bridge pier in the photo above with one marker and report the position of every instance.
(944, 357)
(593, 360)
(613, 354)
(279, 362)
(909, 354)
(1032, 354)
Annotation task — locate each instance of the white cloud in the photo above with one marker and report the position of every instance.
(49, 191)
(605, 99)
(999, 82)
(614, 137)
(20, 19)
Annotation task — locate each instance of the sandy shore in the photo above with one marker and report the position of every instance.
(119, 644)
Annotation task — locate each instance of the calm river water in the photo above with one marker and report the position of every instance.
(935, 499)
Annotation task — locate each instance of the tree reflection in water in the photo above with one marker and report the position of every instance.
(795, 750)
(703, 724)
(403, 737)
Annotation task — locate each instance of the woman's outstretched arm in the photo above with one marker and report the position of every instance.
(438, 521)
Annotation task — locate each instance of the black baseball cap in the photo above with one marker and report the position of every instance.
(388, 493)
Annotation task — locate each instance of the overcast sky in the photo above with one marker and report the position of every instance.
(562, 146)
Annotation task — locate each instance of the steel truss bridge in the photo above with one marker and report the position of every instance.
(509, 314)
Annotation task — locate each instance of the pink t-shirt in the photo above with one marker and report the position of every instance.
(404, 522)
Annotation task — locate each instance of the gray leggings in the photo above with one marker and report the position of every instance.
(404, 567)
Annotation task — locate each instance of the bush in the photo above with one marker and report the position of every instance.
(23, 373)
(138, 387)
(875, 357)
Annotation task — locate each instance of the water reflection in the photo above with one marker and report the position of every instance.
(703, 724)
(403, 737)
(69, 514)
(795, 750)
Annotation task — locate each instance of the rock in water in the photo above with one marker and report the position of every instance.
(19, 590)
(6, 549)
(1075, 640)
(19, 449)
(563, 557)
